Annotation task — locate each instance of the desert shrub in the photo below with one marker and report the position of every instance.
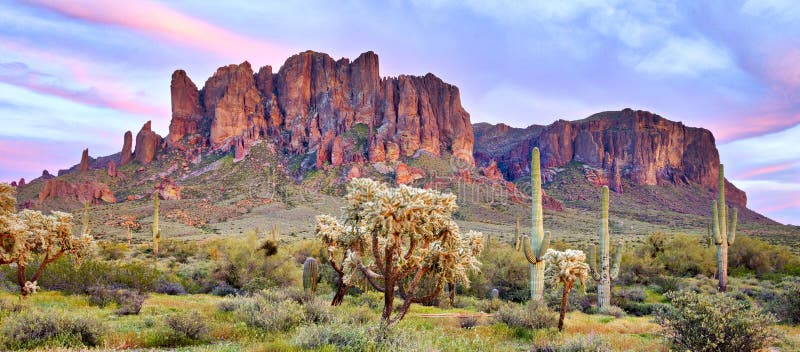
(718, 322)
(505, 269)
(317, 311)
(634, 293)
(533, 315)
(223, 290)
(187, 326)
(178, 249)
(468, 322)
(613, 311)
(576, 300)
(663, 284)
(242, 265)
(111, 250)
(8, 307)
(263, 312)
(589, 343)
(466, 302)
(786, 303)
(359, 315)
(170, 288)
(342, 337)
(641, 309)
(129, 301)
(34, 328)
(639, 266)
(490, 305)
(63, 275)
(685, 255)
(759, 257)
(371, 299)
(229, 304)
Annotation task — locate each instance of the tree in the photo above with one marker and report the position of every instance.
(395, 237)
(565, 268)
(28, 234)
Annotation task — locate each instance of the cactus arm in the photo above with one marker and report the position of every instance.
(517, 236)
(722, 207)
(526, 248)
(592, 259)
(543, 246)
(715, 223)
(732, 228)
(616, 261)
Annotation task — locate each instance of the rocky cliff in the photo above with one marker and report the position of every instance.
(637, 145)
(311, 103)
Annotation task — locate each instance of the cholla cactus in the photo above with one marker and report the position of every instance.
(722, 234)
(540, 240)
(566, 268)
(310, 276)
(30, 233)
(393, 237)
(606, 270)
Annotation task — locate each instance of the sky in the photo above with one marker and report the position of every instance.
(78, 74)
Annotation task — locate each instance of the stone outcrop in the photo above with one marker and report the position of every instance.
(87, 191)
(647, 148)
(21, 182)
(46, 175)
(84, 165)
(404, 174)
(111, 169)
(492, 172)
(127, 149)
(187, 114)
(344, 111)
(147, 144)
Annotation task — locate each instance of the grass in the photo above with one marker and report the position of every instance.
(147, 330)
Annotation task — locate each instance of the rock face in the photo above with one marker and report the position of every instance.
(344, 111)
(84, 160)
(646, 148)
(127, 149)
(111, 169)
(147, 144)
(21, 182)
(404, 174)
(87, 191)
(46, 175)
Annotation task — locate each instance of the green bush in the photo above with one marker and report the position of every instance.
(342, 337)
(589, 343)
(63, 275)
(266, 312)
(718, 322)
(753, 255)
(129, 301)
(502, 268)
(317, 310)
(34, 328)
(533, 315)
(786, 303)
(188, 326)
(613, 311)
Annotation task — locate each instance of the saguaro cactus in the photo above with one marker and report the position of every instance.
(722, 234)
(539, 240)
(156, 230)
(517, 237)
(310, 276)
(85, 230)
(604, 271)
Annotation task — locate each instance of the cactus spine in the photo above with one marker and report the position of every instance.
(310, 276)
(517, 237)
(156, 230)
(539, 241)
(722, 234)
(604, 271)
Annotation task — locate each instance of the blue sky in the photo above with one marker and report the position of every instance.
(77, 74)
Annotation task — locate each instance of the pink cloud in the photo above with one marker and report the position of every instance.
(768, 170)
(755, 124)
(160, 21)
(23, 158)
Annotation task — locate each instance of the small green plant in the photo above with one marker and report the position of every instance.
(716, 322)
(187, 326)
(310, 276)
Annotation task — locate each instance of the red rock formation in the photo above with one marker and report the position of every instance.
(127, 149)
(647, 148)
(84, 166)
(168, 189)
(492, 172)
(112, 169)
(21, 182)
(187, 114)
(313, 101)
(13, 184)
(354, 172)
(87, 191)
(233, 104)
(616, 178)
(147, 144)
(404, 174)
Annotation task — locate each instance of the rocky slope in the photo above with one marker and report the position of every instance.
(639, 146)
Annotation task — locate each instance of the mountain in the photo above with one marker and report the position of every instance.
(251, 148)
